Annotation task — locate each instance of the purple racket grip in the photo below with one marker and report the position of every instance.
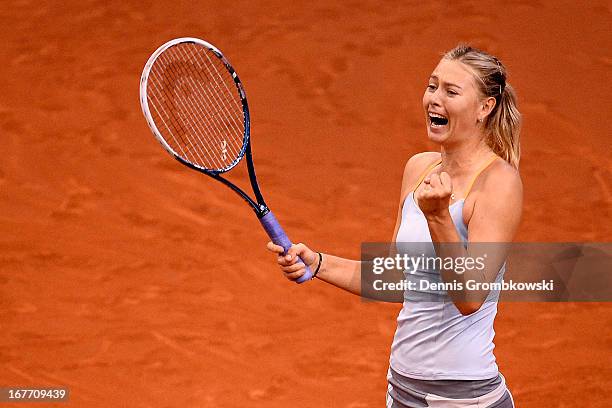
(278, 236)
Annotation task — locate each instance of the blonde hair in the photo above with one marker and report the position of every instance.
(503, 125)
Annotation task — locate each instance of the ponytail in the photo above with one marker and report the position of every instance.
(503, 127)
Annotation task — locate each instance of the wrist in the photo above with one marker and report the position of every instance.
(439, 218)
(319, 262)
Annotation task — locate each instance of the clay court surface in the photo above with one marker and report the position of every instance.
(139, 283)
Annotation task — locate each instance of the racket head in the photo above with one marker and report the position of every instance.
(195, 105)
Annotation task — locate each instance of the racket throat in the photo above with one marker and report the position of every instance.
(253, 179)
(262, 211)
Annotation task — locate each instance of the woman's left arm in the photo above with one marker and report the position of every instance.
(491, 229)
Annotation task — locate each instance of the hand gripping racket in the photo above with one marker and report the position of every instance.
(196, 108)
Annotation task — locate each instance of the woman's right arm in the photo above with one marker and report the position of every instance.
(340, 272)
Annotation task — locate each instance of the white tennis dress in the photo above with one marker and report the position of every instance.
(433, 340)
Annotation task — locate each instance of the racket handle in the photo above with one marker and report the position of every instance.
(278, 236)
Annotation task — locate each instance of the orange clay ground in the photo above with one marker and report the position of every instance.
(139, 283)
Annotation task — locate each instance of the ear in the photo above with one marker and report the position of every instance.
(486, 108)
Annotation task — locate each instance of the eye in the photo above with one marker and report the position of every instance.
(452, 92)
(431, 87)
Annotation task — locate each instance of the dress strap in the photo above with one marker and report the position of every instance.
(483, 168)
(427, 170)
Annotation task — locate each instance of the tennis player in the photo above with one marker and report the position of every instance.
(470, 191)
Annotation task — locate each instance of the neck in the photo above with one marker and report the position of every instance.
(465, 158)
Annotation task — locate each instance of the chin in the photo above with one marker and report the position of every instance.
(437, 136)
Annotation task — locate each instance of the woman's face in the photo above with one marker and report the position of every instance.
(452, 103)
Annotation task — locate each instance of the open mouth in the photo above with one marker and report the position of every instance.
(437, 120)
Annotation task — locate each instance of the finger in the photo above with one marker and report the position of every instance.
(295, 275)
(422, 192)
(435, 181)
(301, 252)
(286, 260)
(446, 182)
(292, 254)
(296, 250)
(272, 247)
(292, 268)
(428, 195)
(283, 261)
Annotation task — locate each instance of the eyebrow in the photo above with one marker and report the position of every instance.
(448, 83)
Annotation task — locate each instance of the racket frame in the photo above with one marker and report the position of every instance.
(259, 206)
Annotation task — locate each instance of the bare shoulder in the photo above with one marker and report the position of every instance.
(501, 180)
(416, 165)
(494, 212)
(423, 157)
(498, 190)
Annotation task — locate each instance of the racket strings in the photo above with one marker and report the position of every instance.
(197, 109)
(224, 97)
(177, 145)
(213, 123)
(176, 127)
(205, 118)
(231, 101)
(185, 123)
(195, 112)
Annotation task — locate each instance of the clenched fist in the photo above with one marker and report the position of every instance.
(435, 196)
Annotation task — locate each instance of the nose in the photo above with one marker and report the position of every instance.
(434, 98)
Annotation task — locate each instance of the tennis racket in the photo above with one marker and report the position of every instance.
(197, 109)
